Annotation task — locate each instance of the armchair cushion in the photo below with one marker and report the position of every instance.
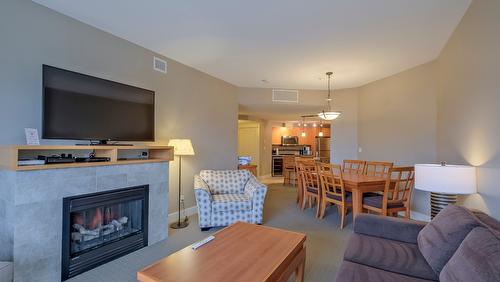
(391, 228)
(231, 202)
(225, 181)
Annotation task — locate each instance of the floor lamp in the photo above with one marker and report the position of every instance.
(444, 182)
(182, 147)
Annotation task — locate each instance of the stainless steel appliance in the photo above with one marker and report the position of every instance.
(323, 148)
(289, 140)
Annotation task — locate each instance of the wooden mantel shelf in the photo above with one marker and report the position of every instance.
(9, 155)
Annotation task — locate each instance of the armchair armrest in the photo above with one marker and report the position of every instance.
(253, 187)
(392, 228)
(202, 186)
(257, 192)
(203, 201)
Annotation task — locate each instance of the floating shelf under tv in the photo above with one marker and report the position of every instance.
(9, 155)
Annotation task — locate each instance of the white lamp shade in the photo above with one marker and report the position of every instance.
(448, 179)
(182, 147)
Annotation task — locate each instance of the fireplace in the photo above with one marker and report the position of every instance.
(100, 227)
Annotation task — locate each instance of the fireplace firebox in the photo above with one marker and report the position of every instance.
(100, 227)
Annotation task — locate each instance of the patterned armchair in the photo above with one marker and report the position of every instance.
(227, 196)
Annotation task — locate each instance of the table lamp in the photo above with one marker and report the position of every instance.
(182, 147)
(445, 182)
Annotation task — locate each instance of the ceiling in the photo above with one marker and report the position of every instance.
(288, 43)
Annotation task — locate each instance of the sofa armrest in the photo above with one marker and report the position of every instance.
(203, 201)
(257, 192)
(392, 228)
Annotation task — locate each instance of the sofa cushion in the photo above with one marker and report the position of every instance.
(387, 227)
(488, 222)
(477, 259)
(231, 202)
(225, 181)
(354, 272)
(389, 255)
(439, 239)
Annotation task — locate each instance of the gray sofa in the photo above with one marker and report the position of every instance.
(457, 245)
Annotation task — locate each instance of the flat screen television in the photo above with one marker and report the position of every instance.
(82, 107)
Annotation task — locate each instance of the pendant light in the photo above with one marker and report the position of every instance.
(303, 134)
(329, 114)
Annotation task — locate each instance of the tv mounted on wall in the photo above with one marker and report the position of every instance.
(82, 107)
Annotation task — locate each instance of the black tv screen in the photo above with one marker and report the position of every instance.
(83, 107)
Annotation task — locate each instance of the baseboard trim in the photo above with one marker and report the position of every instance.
(172, 217)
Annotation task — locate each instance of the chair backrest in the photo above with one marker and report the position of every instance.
(298, 161)
(401, 186)
(309, 175)
(332, 184)
(226, 181)
(302, 160)
(289, 162)
(353, 166)
(381, 169)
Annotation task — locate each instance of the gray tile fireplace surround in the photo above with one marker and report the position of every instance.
(31, 210)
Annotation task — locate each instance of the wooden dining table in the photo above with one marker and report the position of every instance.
(359, 184)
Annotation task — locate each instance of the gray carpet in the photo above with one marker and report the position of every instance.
(325, 241)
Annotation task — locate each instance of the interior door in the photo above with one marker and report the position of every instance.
(249, 141)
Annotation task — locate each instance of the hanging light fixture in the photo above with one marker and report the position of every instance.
(329, 114)
(320, 134)
(303, 134)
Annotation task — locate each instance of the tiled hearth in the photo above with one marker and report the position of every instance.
(31, 210)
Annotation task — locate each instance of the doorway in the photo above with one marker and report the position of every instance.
(249, 141)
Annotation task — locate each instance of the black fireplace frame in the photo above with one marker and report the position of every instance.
(71, 267)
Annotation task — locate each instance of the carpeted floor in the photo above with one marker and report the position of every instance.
(325, 241)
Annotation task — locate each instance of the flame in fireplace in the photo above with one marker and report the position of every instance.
(98, 217)
(96, 220)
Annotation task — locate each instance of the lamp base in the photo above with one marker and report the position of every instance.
(439, 201)
(179, 225)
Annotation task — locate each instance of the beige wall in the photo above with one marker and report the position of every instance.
(469, 102)
(397, 121)
(445, 110)
(189, 103)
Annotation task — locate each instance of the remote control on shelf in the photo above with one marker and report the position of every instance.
(202, 242)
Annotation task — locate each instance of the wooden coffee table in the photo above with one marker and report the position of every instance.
(240, 252)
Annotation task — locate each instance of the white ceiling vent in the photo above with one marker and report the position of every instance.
(285, 96)
(159, 65)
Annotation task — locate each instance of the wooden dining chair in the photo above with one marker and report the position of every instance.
(353, 166)
(397, 193)
(311, 185)
(289, 170)
(333, 192)
(300, 190)
(381, 169)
